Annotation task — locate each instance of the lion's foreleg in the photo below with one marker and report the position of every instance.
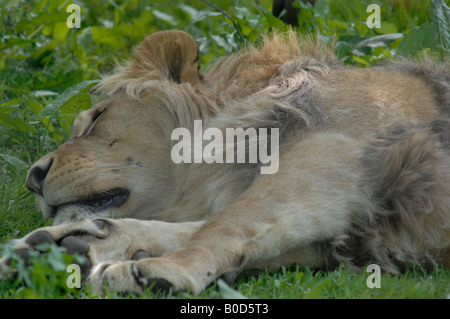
(106, 240)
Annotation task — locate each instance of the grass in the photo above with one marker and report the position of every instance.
(40, 60)
(47, 279)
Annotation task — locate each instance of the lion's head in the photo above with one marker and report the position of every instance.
(116, 162)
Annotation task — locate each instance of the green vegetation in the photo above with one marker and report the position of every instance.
(46, 70)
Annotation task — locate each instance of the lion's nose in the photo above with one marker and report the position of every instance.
(37, 174)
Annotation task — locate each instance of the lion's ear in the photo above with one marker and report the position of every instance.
(173, 53)
(166, 55)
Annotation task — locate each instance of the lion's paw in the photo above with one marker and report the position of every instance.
(135, 276)
(73, 240)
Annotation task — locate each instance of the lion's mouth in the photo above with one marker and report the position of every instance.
(100, 201)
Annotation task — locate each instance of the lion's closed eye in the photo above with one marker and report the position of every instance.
(95, 117)
(85, 122)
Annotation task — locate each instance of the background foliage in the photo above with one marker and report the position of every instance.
(46, 70)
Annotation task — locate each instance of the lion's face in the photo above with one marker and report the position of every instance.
(117, 161)
(113, 165)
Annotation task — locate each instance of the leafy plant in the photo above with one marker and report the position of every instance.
(44, 275)
(433, 35)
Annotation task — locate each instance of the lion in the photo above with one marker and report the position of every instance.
(363, 173)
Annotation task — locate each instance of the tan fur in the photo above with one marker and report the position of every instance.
(363, 177)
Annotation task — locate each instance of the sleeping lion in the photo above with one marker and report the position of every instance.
(275, 155)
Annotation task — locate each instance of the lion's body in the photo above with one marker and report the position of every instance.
(363, 176)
